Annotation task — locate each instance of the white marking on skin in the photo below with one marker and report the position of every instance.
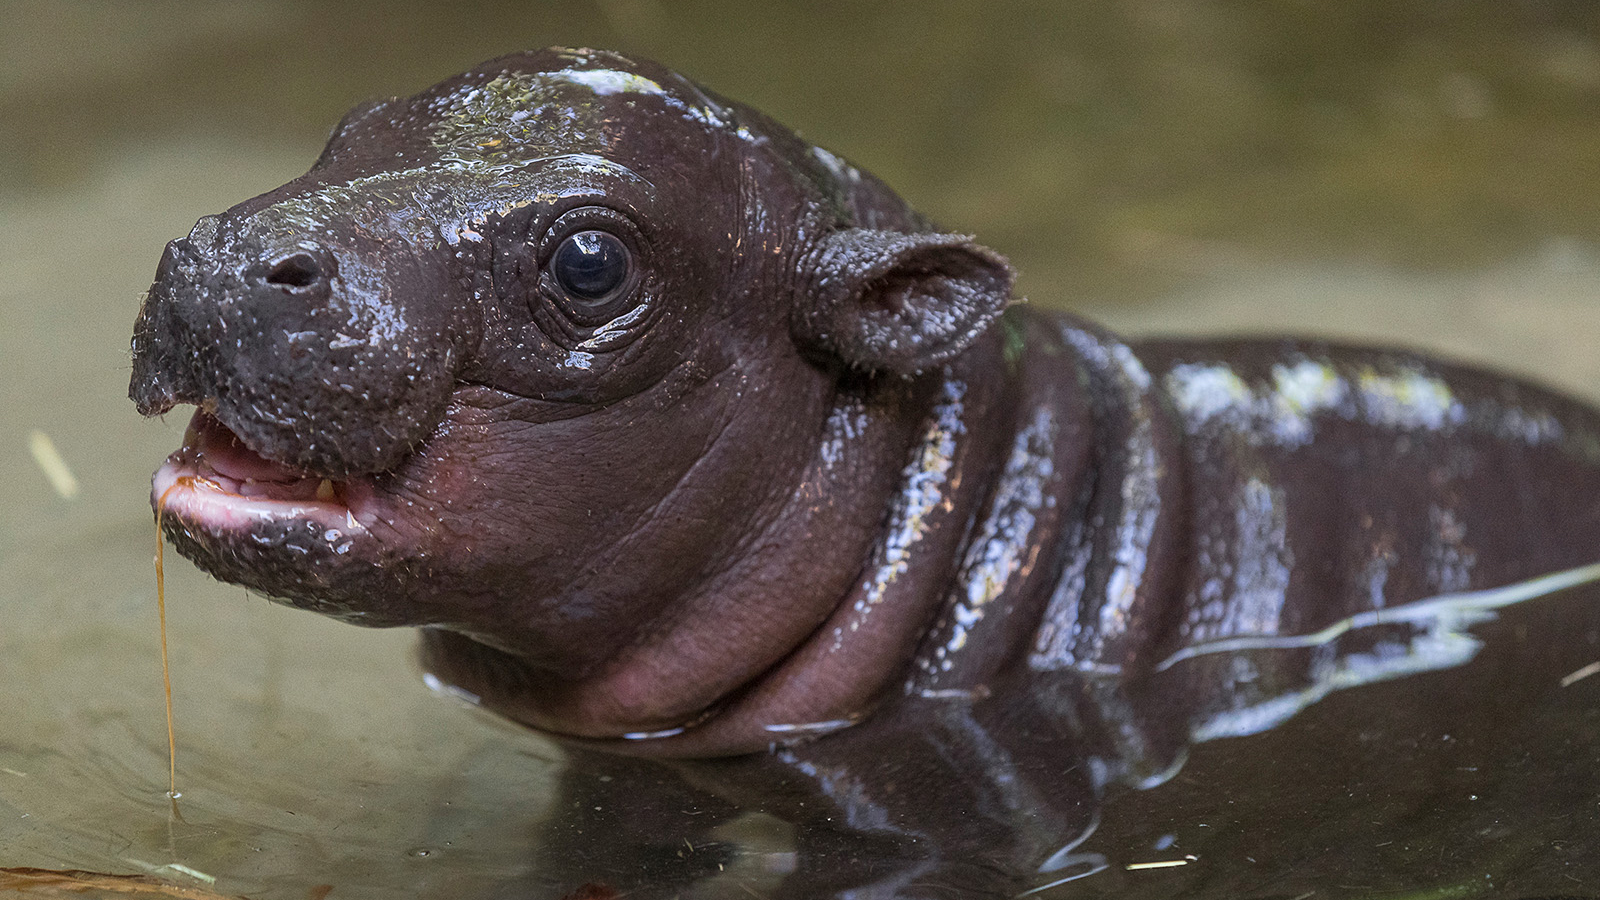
(1003, 547)
(923, 485)
(1530, 427)
(1308, 387)
(1132, 369)
(1206, 392)
(1139, 510)
(1213, 392)
(1409, 399)
(1247, 578)
(1261, 576)
(1060, 629)
(1141, 505)
(1281, 413)
(845, 424)
(840, 169)
(1301, 391)
(1447, 558)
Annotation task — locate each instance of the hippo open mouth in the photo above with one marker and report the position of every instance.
(218, 482)
(280, 529)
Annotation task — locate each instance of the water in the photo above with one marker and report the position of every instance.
(1408, 172)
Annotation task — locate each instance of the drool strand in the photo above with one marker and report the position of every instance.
(166, 668)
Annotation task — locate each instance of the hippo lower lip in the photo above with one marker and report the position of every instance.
(286, 532)
(217, 484)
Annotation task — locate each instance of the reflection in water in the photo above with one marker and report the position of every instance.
(1265, 679)
(1069, 864)
(1430, 776)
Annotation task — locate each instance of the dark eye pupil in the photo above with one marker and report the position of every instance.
(590, 265)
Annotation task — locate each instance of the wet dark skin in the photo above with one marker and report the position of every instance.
(683, 438)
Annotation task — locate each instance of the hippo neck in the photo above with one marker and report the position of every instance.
(1046, 424)
(900, 580)
(856, 590)
(982, 569)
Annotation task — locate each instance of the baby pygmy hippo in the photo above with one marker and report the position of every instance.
(681, 437)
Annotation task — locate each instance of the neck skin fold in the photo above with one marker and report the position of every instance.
(831, 596)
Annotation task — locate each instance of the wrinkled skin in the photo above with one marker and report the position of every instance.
(797, 491)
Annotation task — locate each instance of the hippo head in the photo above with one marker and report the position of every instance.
(535, 358)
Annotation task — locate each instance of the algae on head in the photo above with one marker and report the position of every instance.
(513, 116)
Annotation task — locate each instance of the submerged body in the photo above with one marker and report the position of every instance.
(684, 438)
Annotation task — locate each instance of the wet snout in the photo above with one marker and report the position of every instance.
(165, 373)
(328, 352)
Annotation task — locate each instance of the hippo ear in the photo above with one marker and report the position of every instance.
(902, 303)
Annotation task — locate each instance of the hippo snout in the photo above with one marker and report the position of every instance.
(162, 375)
(331, 354)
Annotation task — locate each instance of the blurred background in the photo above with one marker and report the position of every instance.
(1421, 172)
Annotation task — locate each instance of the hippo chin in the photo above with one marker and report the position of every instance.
(684, 438)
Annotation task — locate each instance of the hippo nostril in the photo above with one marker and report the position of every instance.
(297, 270)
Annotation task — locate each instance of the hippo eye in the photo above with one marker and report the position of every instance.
(591, 266)
(593, 277)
